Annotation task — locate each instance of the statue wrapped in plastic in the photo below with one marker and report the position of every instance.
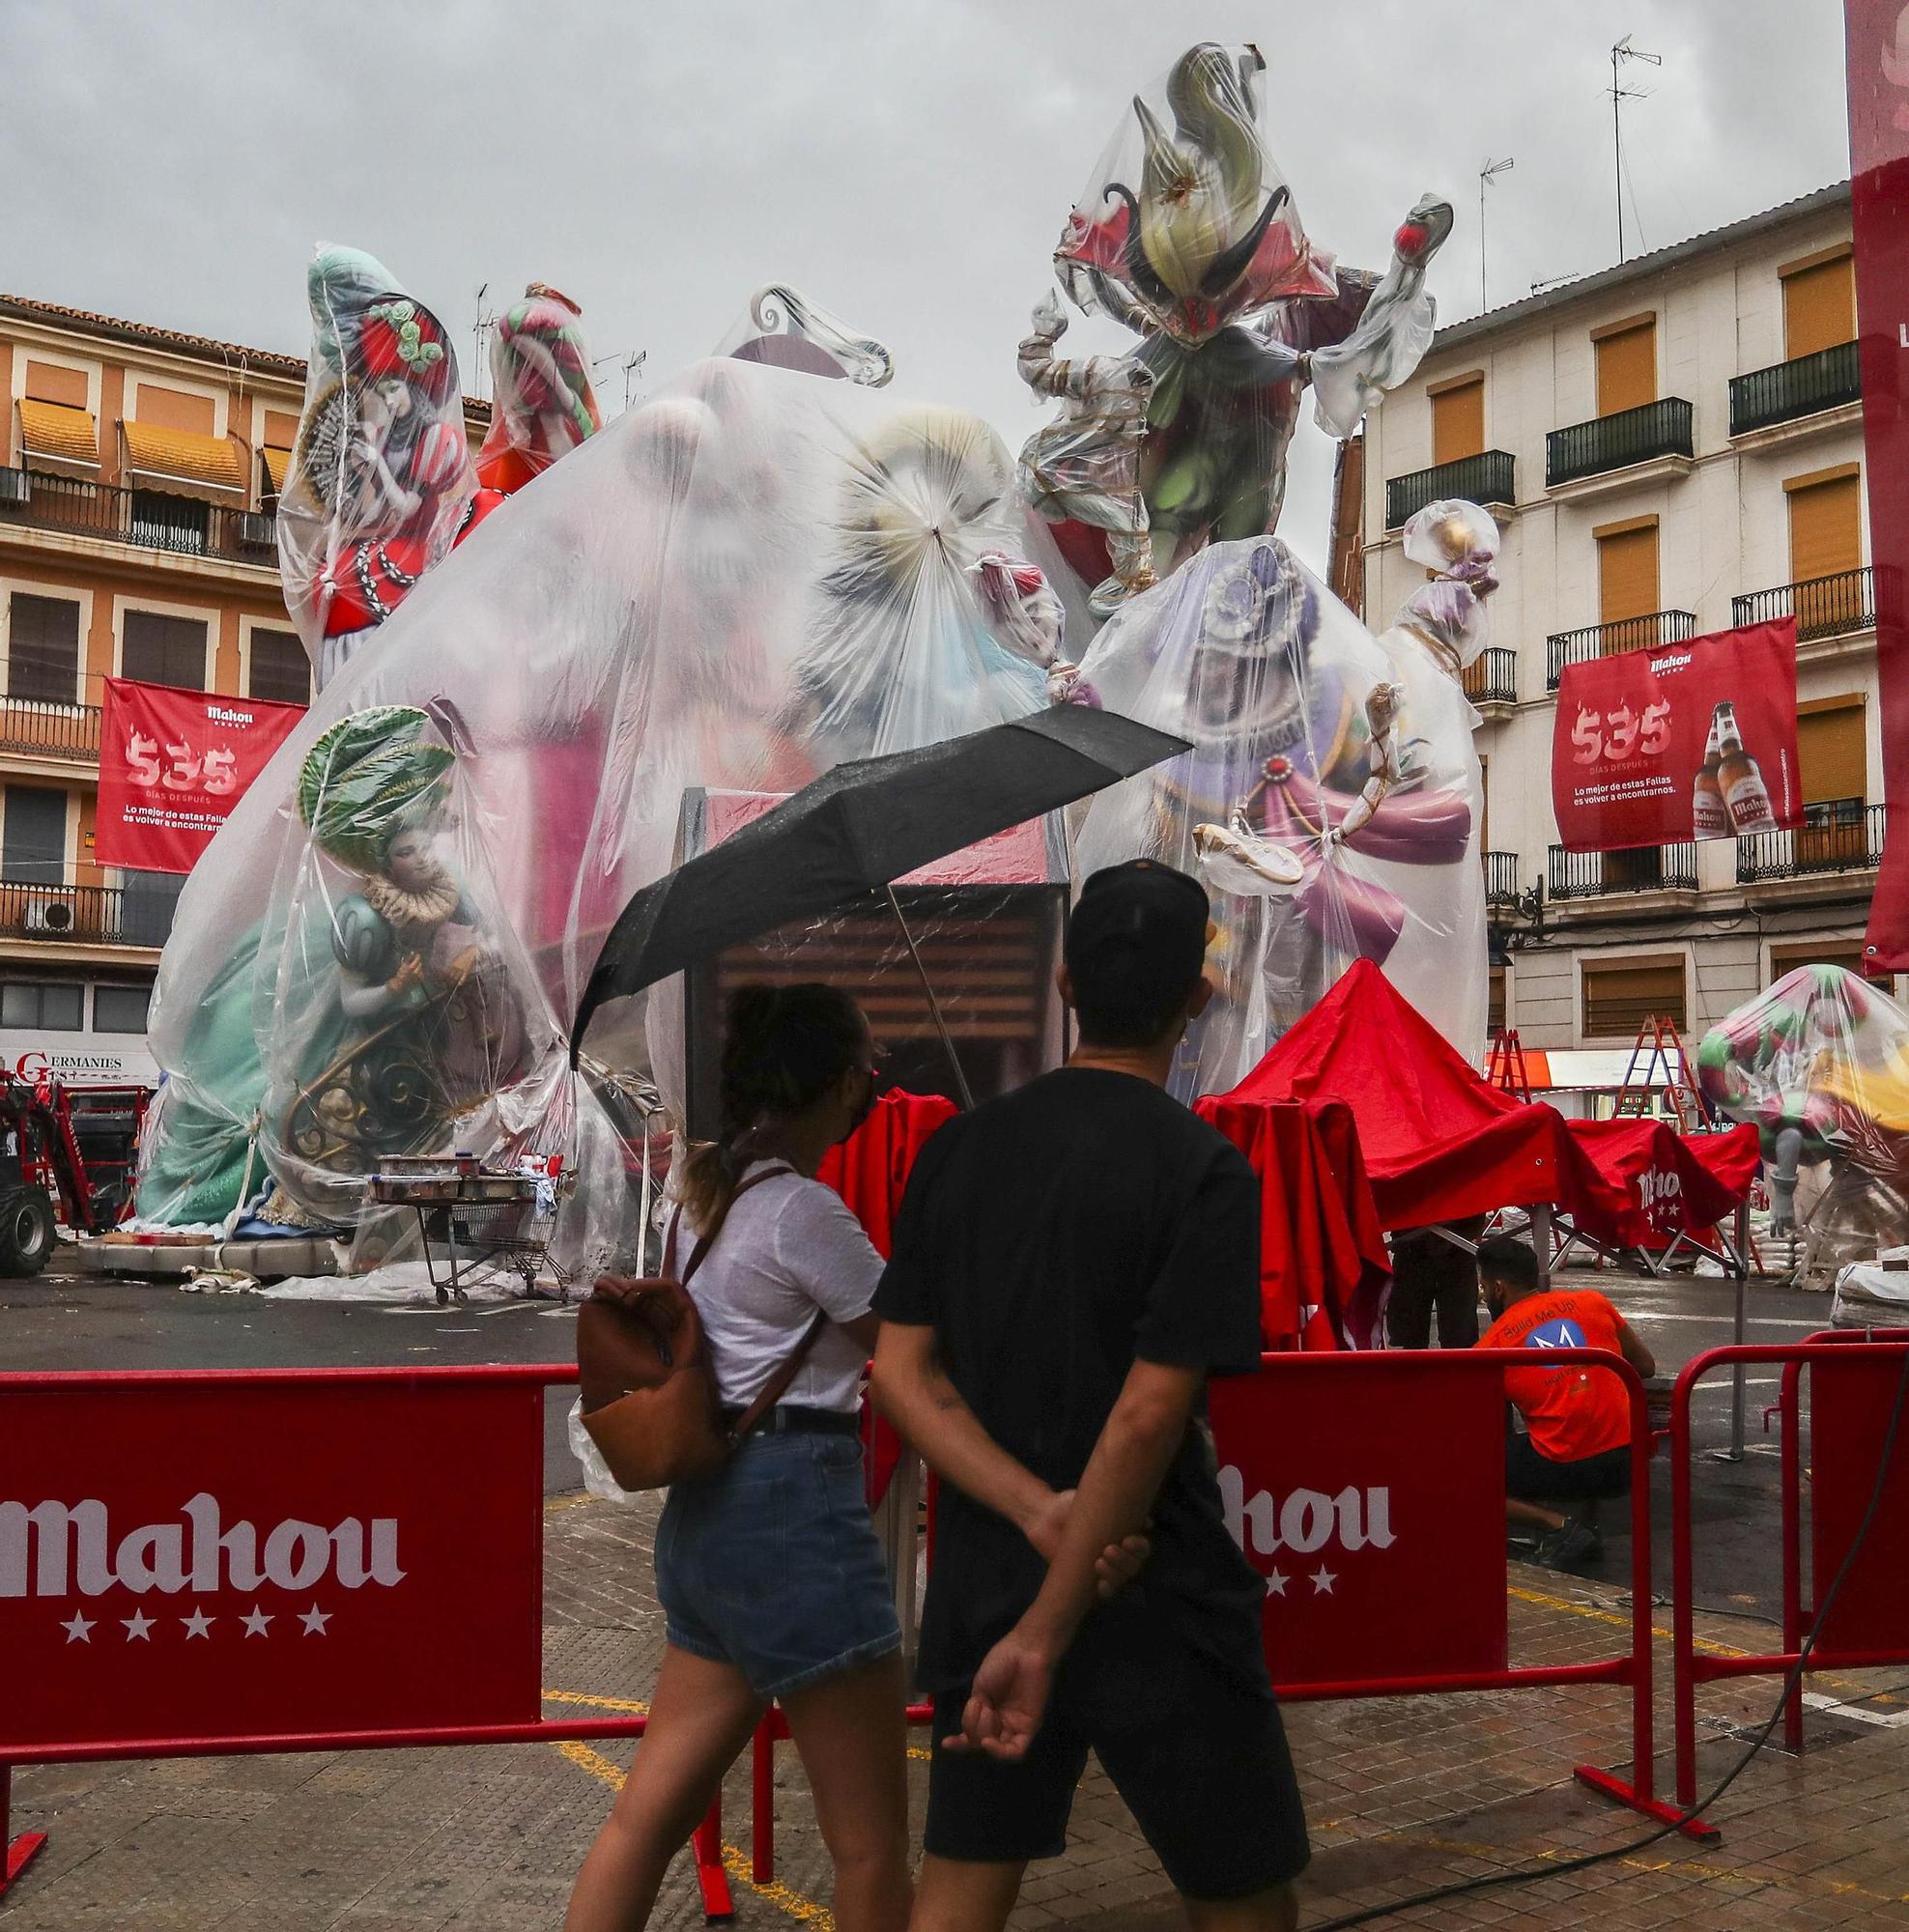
(1333, 798)
(542, 401)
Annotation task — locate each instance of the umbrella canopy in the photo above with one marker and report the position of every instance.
(858, 828)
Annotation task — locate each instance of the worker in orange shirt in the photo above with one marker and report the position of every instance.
(1575, 1444)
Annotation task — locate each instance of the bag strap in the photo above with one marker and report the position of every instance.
(778, 1384)
(700, 1252)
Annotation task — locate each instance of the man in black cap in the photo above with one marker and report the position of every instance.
(1071, 1263)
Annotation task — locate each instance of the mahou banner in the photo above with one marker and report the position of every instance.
(173, 764)
(1877, 51)
(1695, 740)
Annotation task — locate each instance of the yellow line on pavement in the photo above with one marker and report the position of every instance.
(735, 1860)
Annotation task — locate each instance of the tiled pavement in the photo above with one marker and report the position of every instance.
(1402, 1795)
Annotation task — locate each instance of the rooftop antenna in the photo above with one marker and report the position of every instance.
(478, 335)
(631, 364)
(1487, 175)
(1623, 51)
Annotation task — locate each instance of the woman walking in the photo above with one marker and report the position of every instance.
(771, 1578)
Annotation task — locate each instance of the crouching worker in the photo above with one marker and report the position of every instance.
(1576, 1446)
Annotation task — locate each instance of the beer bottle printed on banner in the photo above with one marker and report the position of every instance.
(1746, 797)
(1710, 817)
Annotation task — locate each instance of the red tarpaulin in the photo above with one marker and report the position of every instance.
(1323, 1261)
(1673, 1183)
(1438, 1142)
(870, 1171)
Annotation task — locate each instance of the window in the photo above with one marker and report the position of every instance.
(1627, 580)
(1833, 769)
(164, 650)
(1494, 1021)
(1844, 953)
(1825, 523)
(1620, 998)
(1458, 418)
(163, 522)
(120, 1009)
(54, 383)
(148, 905)
(43, 648)
(175, 408)
(278, 669)
(1819, 304)
(33, 841)
(1627, 364)
(56, 1008)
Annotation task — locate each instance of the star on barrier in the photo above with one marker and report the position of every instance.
(255, 1623)
(1275, 1583)
(198, 1624)
(315, 1620)
(138, 1625)
(1323, 1580)
(78, 1629)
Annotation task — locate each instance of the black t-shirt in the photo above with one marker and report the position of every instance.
(1050, 1238)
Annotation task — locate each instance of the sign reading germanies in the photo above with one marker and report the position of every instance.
(212, 1558)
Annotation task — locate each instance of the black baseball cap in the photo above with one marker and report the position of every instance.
(1153, 916)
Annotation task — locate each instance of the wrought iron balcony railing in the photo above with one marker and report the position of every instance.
(152, 518)
(35, 728)
(83, 915)
(1501, 879)
(1804, 387)
(1604, 641)
(1643, 868)
(1841, 835)
(1824, 607)
(1491, 677)
(1661, 428)
(1487, 479)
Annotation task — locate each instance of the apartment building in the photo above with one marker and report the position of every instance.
(1673, 447)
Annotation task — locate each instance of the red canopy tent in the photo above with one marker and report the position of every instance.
(1670, 1183)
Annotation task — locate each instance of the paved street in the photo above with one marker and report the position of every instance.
(1401, 1794)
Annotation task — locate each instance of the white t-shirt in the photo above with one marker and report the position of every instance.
(789, 1247)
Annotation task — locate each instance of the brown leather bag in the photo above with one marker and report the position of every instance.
(649, 1397)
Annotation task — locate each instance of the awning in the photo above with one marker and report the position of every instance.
(1597, 1069)
(276, 462)
(176, 457)
(58, 433)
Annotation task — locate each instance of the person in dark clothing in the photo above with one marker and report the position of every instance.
(1071, 1263)
(1429, 1273)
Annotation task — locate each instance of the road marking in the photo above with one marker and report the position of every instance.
(1849, 1707)
(1724, 1320)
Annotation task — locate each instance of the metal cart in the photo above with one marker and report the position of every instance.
(473, 1219)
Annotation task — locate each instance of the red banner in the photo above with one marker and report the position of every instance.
(173, 764)
(1878, 68)
(185, 1560)
(1379, 1559)
(1850, 1404)
(1695, 740)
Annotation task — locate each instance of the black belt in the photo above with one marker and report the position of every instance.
(786, 1418)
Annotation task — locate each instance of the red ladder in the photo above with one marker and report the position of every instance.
(1506, 1069)
(1660, 1050)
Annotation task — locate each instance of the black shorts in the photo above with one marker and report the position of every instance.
(1532, 1477)
(1196, 1751)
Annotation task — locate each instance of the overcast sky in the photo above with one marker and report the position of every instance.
(907, 163)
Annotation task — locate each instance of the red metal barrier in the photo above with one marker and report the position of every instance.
(1360, 1416)
(445, 1467)
(1846, 1350)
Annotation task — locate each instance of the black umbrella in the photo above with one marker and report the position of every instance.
(827, 848)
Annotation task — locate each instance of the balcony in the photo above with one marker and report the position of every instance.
(1605, 640)
(1644, 869)
(1621, 442)
(32, 728)
(1788, 391)
(150, 519)
(1841, 835)
(1486, 479)
(1501, 879)
(1491, 677)
(86, 914)
(1823, 607)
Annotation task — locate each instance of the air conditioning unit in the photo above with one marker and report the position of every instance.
(15, 488)
(258, 529)
(51, 916)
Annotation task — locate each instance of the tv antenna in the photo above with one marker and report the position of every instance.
(480, 334)
(1619, 94)
(1487, 175)
(632, 366)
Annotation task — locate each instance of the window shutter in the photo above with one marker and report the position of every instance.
(278, 669)
(42, 649)
(1619, 999)
(155, 650)
(1627, 369)
(1832, 760)
(1627, 576)
(1820, 307)
(1844, 953)
(1457, 422)
(1826, 528)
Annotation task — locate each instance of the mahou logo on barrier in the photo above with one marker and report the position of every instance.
(199, 1560)
(1373, 1510)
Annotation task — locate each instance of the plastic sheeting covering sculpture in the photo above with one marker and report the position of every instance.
(1333, 798)
(1187, 233)
(756, 574)
(541, 402)
(1820, 1066)
(381, 478)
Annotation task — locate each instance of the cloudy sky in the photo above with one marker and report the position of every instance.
(907, 163)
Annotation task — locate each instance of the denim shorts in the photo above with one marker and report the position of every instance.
(773, 1565)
